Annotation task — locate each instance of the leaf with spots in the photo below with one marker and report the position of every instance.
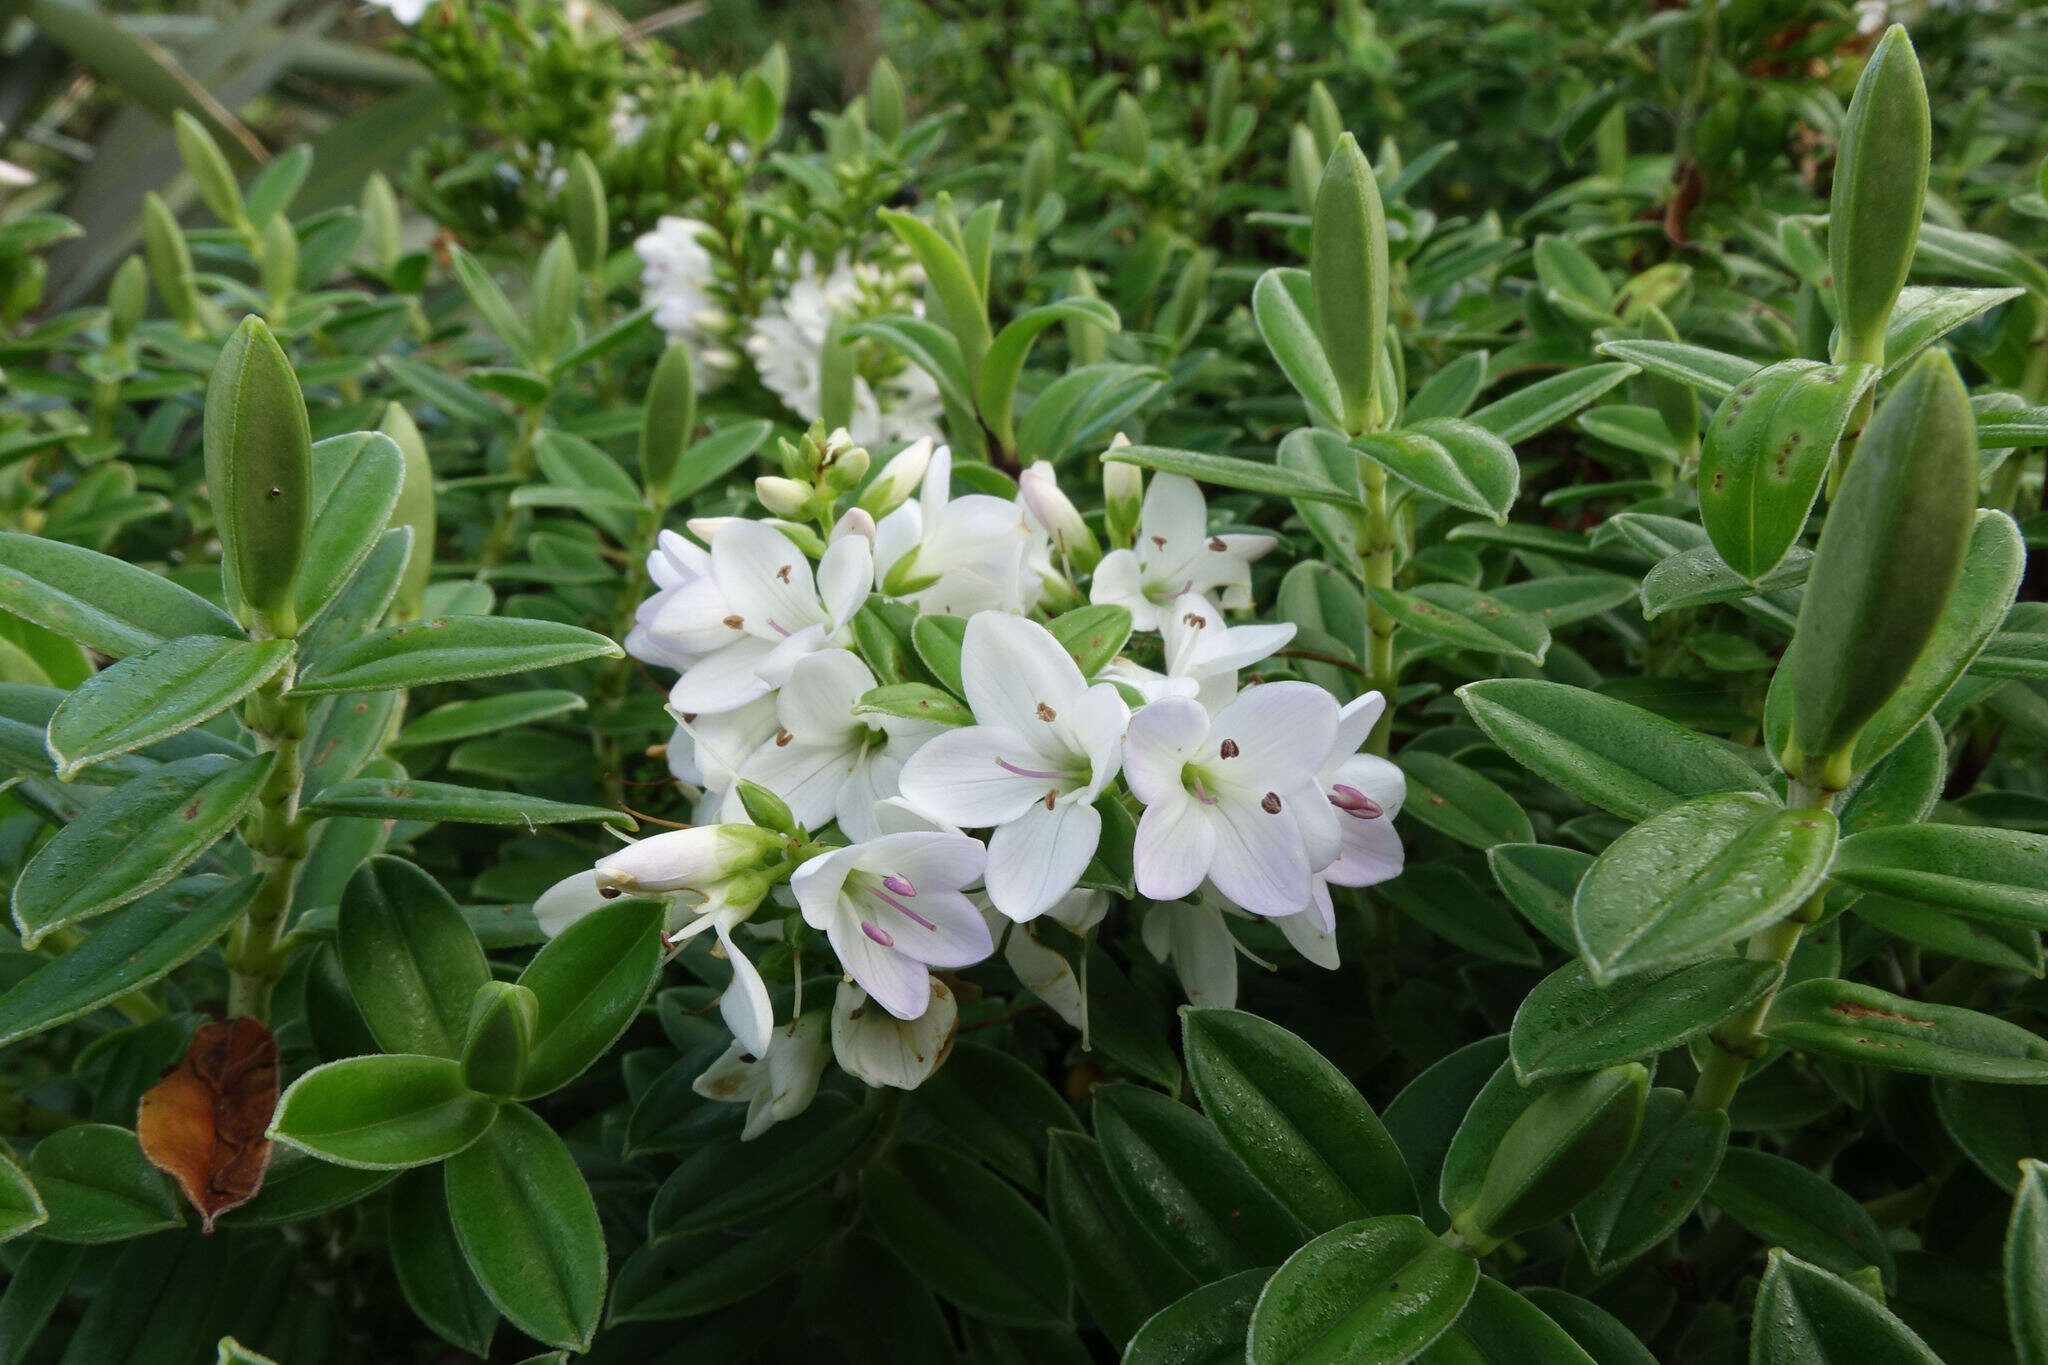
(1864, 1024)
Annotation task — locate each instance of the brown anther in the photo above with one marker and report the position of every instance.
(1046, 713)
(783, 573)
(1228, 748)
(782, 738)
(1051, 795)
(1216, 543)
(733, 622)
(1271, 803)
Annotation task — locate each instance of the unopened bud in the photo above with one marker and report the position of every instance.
(899, 478)
(1052, 511)
(854, 523)
(1123, 493)
(685, 859)
(846, 469)
(784, 497)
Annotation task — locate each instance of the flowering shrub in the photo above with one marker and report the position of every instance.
(1037, 705)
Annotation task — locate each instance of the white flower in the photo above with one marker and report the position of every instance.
(876, 1047)
(1043, 747)
(707, 750)
(787, 343)
(958, 556)
(892, 907)
(1051, 513)
(407, 12)
(1234, 799)
(1197, 943)
(761, 612)
(1366, 791)
(676, 279)
(681, 574)
(825, 762)
(1202, 654)
(776, 1084)
(1176, 556)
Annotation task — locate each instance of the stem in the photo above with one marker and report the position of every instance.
(1376, 561)
(1740, 1041)
(277, 837)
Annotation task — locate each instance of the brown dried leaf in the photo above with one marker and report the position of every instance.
(203, 1123)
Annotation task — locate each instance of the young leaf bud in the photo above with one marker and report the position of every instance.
(209, 170)
(1880, 187)
(259, 471)
(1348, 267)
(589, 213)
(170, 262)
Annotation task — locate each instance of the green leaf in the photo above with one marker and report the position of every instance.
(431, 1270)
(1465, 618)
(1880, 185)
(970, 1236)
(298, 1186)
(1348, 269)
(134, 839)
(1542, 405)
(724, 1184)
(1997, 1126)
(1092, 635)
(1695, 877)
(1451, 905)
(1185, 1186)
(999, 1109)
(459, 720)
(1570, 1024)
(1425, 1117)
(382, 1112)
(1122, 1272)
(2026, 1265)
(938, 641)
(1560, 1147)
(158, 693)
(1765, 453)
(1698, 577)
(1500, 1325)
(449, 649)
(1227, 471)
(130, 948)
(914, 701)
(717, 455)
(98, 1186)
(356, 482)
(1378, 1290)
(528, 1225)
(1864, 1024)
(1456, 462)
(1816, 1316)
(960, 298)
(1291, 1117)
(412, 963)
(1714, 374)
(21, 1208)
(1783, 1204)
(995, 385)
(1619, 757)
(1541, 879)
(1283, 305)
(490, 301)
(259, 453)
(1453, 799)
(103, 603)
(1204, 1327)
(384, 798)
(1654, 1190)
(2000, 874)
(686, 1277)
(590, 980)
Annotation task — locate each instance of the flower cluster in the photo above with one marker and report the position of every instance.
(909, 668)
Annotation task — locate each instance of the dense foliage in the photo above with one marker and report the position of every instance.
(1052, 681)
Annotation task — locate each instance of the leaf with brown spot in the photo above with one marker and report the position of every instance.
(203, 1124)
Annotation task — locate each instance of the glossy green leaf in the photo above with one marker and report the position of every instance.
(690, 1276)
(21, 1208)
(98, 1186)
(1228, 471)
(449, 649)
(1766, 452)
(1542, 405)
(103, 603)
(431, 1270)
(1698, 577)
(382, 1112)
(1186, 1187)
(413, 965)
(1378, 1290)
(1499, 1326)
(1713, 373)
(1864, 1024)
(259, 454)
(459, 720)
(1283, 305)
(1092, 635)
(1698, 876)
(1540, 880)
(1570, 1024)
(1348, 273)
(971, 1237)
(728, 1184)
(1291, 1117)
(134, 840)
(356, 482)
(157, 693)
(1879, 186)
(528, 1226)
(1567, 1140)
(1469, 807)
(1617, 756)
(1814, 1316)
(2026, 1265)
(1206, 1326)
(1783, 1204)
(2000, 874)
(404, 798)
(1122, 1273)
(590, 980)
(998, 1108)
(1655, 1188)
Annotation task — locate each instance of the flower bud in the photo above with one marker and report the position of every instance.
(1050, 510)
(846, 469)
(1348, 269)
(1123, 492)
(885, 100)
(778, 1086)
(685, 859)
(874, 1046)
(1879, 191)
(784, 497)
(1304, 168)
(899, 478)
(1325, 121)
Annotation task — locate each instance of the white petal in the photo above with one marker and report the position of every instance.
(766, 578)
(807, 776)
(1119, 582)
(817, 701)
(943, 930)
(1013, 671)
(844, 576)
(1204, 955)
(817, 886)
(567, 901)
(1371, 854)
(1174, 524)
(948, 861)
(725, 680)
(1374, 777)
(1176, 842)
(1161, 739)
(1312, 932)
(1046, 974)
(1354, 727)
(898, 983)
(744, 1005)
(1282, 732)
(959, 777)
(881, 1050)
(1259, 863)
(1095, 725)
(1036, 859)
